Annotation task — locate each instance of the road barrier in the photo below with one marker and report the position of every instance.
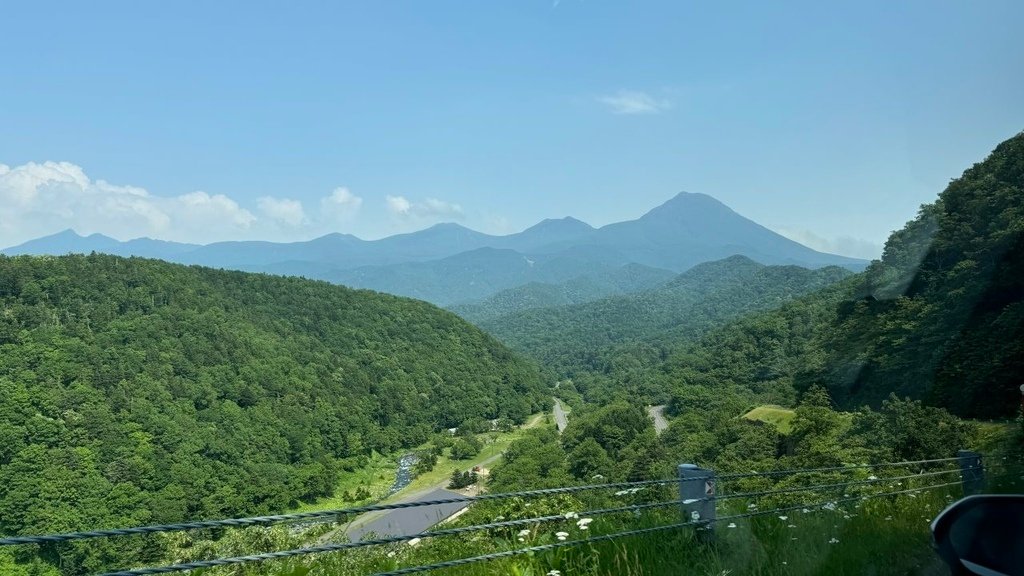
(700, 493)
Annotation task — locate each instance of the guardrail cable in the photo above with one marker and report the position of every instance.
(617, 535)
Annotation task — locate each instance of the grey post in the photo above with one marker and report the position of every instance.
(972, 474)
(697, 492)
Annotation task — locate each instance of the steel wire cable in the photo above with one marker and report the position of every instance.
(795, 471)
(320, 515)
(505, 524)
(386, 540)
(326, 515)
(546, 547)
(836, 485)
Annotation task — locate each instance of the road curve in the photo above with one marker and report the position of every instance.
(657, 413)
(561, 420)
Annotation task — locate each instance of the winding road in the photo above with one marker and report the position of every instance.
(561, 416)
(657, 413)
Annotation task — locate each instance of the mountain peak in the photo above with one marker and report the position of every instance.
(566, 223)
(688, 204)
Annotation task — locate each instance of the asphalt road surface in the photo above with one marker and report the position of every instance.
(657, 413)
(406, 521)
(561, 421)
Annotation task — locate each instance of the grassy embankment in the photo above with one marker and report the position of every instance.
(771, 414)
(376, 478)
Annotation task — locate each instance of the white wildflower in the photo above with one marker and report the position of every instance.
(561, 535)
(829, 506)
(731, 525)
(524, 532)
(783, 517)
(872, 477)
(571, 515)
(583, 522)
(791, 526)
(392, 554)
(846, 516)
(888, 517)
(834, 541)
(553, 573)
(751, 506)
(806, 511)
(521, 539)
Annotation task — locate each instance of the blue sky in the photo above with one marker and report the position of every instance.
(207, 121)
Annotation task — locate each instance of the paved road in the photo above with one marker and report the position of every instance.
(561, 420)
(657, 413)
(407, 521)
(413, 520)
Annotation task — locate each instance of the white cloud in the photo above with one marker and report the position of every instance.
(341, 205)
(842, 245)
(42, 198)
(634, 102)
(429, 209)
(284, 211)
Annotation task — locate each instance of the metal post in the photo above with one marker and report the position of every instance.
(697, 493)
(972, 473)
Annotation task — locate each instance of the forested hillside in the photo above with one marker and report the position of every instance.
(939, 318)
(572, 337)
(135, 391)
(629, 279)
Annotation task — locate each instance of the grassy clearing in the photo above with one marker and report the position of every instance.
(378, 476)
(992, 437)
(777, 416)
(495, 443)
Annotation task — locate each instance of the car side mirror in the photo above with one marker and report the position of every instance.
(982, 534)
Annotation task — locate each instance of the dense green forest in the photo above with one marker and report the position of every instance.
(536, 295)
(568, 338)
(939, 318)
(135, 391)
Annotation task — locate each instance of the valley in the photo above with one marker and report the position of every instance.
(179, 392)
(556, 288)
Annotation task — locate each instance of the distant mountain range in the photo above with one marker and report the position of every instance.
(450, 264)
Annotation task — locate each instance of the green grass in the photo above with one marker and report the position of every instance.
(495, 443)
(884, 536)
(777, 416)
(992, 437)
(378, 476)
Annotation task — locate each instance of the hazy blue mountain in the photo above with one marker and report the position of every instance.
(65, 242)
(694, 228)
(471, 275)
(625, 280)
(70, 242)
(449, 263)
(548, 235)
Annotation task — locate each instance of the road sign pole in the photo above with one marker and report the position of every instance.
(972, 474)
(697, 491)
